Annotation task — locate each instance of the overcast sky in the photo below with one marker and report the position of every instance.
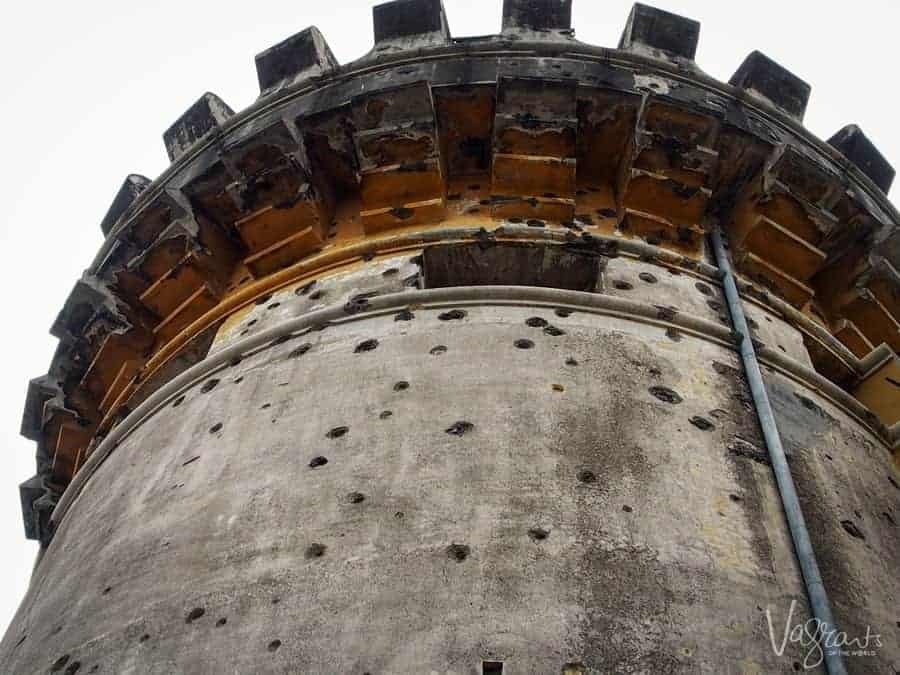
(90, 87)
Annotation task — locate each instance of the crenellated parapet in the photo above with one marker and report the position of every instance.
(428, 135)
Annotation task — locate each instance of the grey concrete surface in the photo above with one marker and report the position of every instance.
(538, 506)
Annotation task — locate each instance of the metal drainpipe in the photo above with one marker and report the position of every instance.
(815, 589)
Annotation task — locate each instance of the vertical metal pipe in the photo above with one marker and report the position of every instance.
(815, 588)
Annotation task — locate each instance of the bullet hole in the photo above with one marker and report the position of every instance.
(315, 551)
(402, 213)
(385, 414)
(356, 498)
(742, 448)
(399, 515)
(851, 529)
(647, 277)
(562, 312)
(251, 323)
(191, 460)
(673, 334)
(523, 343)
(437, 351)
(888, 517)
(306, 288)
(73, 668)
(365, 346)
(666, 313)
(829, 457)
(60, 663)
(702, 423)
(404, 315)
(390, 271)
(316, 295)
(703, 288)
(796, 666)
(244, 332)
(238, 380)
(208, 386)
(107, 590)
(275, 601)
(265, 406)
(300, 351)
(194, 614)
(221, 622)
(263, 299)
(654, 372)
(620, 285)
(317, 461)
(627, 509)
(893, 482)
(178, 401)
(735, 498)
(571, 362)
(458, 552)
(215, 428)
(274, 305)
(535, 322)
(554, 331)
(586, 476)
(665, 394)
(782, 349)
(337, 432)
(144, 637)
(235, 360)
(402, 385)
(274, 645)
(459, 428)
(538, 533)
(356, 305)
(557, 387)
(452, 315)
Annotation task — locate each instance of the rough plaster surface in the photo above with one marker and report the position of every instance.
(570, 517)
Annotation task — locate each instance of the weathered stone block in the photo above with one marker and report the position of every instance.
(301, 56)
(763, 77)
(205, 115)
(655, 29)
(133, 185)
(537, 14)
(410, 20)
(857, 147)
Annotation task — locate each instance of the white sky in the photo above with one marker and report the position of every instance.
(91, 85)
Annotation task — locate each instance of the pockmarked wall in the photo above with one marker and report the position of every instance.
(422, 364)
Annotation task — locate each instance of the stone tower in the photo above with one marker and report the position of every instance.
(422, 364)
